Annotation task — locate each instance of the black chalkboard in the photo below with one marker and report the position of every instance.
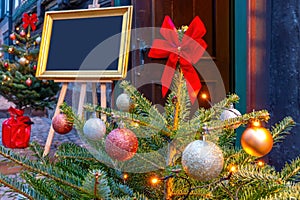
(73, 40)
(85, 44)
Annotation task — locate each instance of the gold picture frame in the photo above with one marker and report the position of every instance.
(89, 45)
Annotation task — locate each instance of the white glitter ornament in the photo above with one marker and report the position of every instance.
(202, 160)
(94, 129)
(229, 113)
(123, 102)
(38, 40)
(22, 61)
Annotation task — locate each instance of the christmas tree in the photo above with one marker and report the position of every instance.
(140, 153)
(156, 170)
(18, 83)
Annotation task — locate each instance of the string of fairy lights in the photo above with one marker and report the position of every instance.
(262, 135)
(155, 180)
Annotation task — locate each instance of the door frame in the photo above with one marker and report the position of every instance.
(251, 46)
(245, 57)
(240, 52)
(251, 61)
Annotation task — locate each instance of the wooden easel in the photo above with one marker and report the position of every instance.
(63, 92)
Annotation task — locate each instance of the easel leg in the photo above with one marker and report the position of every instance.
(103, 98)
(81, 99)
(94, 96)
(61, 98)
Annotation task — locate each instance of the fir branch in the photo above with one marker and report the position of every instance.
(18, 187)
(291, 172)
(141, 102)
(239, 158)
(143, 106)
(38, 152)
(262, 115)
(72, 117)
(249, 173)
(127, 117)
(203, 115)
(228, 138)
(47, 171)
(280, 130)
(42, 186)
(191, 128)
(224, 188)
(181, 100)
(135, 196)
(96, 182)
(71, 150)
(118, 189)
(149, 161)
(290, 192)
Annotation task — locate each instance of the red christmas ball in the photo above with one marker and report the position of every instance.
(12, 36)
(6, 65)
(34, 67)
(61, 124)
(22, 33)
(28, 82)
(121, 144)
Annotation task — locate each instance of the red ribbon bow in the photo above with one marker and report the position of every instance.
(29, 20)
(187, 52)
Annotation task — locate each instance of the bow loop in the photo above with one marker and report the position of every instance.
(29, 20)
(169, 32)
(15, 112)
(187, 52)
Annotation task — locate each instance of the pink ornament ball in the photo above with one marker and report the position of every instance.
(121, 144)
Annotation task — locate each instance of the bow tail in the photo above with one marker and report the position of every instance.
(193, 82)
(167, 75)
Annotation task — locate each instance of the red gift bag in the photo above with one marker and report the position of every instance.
(16, 129)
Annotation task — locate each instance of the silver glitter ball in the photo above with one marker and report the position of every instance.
(229, 113)
(202, 160)
(123, 102)
(94, 129)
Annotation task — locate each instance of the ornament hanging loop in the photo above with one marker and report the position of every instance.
(121, 124)
(205, 132)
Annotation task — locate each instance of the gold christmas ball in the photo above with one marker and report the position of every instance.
(257, 141)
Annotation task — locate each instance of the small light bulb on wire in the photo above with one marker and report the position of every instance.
(260, 163)
(232, 168)
(125, 176)
(135, 124)
(204, 96)
(154, 180)
(10, 50)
